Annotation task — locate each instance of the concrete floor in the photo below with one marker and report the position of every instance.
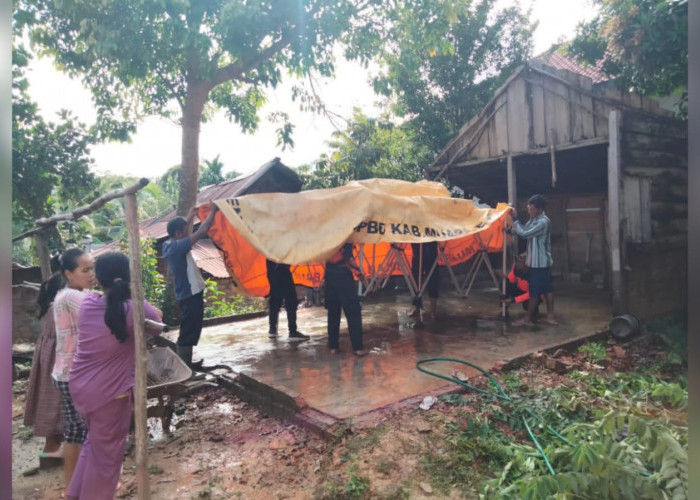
(344, 386)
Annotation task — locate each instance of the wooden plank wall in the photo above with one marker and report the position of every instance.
(655, 156)
(536, 110)
(533, 111)
(655, 203)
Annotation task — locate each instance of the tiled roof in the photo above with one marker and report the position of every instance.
(559, 61)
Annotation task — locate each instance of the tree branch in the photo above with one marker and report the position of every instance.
(236, 69)
(45, 223)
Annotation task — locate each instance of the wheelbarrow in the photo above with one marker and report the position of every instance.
(164, 381)
(165, 375)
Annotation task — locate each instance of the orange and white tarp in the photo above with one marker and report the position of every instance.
(304, 229)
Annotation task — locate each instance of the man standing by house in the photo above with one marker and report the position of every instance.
(537, 232)
(189, 283)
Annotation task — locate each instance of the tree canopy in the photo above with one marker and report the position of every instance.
(50, 160)
(643, 44)
(443, 61)
(368, 148)
(182, 59)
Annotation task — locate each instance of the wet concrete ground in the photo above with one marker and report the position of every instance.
(344, 386)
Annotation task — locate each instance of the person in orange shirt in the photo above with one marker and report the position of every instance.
(517, 284)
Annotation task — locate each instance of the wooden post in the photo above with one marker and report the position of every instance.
(504, 308)
(614, 186)
(553, 161)
(132, 227)
(512, 200)
(512, 187)
(41, 238)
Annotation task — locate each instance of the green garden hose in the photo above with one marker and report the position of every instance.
(499, 394)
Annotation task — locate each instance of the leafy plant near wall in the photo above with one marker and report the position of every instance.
(152, 281)
(593, 351)
(216, 303)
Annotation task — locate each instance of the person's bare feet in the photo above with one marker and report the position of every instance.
(550, 320)
(522, 322)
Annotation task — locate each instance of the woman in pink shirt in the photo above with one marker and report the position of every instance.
(102, 378)
(78, 270)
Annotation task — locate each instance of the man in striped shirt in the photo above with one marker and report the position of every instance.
(537, 232)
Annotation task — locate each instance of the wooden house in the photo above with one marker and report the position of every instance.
(613, 167)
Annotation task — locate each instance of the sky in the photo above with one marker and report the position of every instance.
(156, 145)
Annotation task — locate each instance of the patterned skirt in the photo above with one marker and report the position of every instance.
(43, 406)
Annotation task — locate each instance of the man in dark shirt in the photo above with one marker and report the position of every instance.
(341, 294)
(189, 283)
(282, 289)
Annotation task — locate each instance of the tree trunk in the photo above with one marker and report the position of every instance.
(197, 94)
(41, 238)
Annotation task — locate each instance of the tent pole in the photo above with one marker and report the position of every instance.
(140, 397)
(441, 251)
(405, 270)
(471, 276)
(362, 269)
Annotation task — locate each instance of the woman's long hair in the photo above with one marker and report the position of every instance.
(112, 271)
(48, 290)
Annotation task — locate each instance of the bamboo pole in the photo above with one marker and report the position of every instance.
(132, 226)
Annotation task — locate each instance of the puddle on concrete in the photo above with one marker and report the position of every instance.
(343, 385)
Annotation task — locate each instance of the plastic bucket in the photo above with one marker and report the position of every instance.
(625, 326)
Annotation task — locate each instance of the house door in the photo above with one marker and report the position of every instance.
(585, 235)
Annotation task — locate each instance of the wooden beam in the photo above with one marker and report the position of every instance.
(84, 210)
(141, 355)
(614, 188)
(539, 151)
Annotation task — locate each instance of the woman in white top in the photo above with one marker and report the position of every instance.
(78, 269)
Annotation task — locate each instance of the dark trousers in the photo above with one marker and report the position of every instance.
(282, 290)
(341, 293)
(430, 255)
(192, 312)
(512, 291)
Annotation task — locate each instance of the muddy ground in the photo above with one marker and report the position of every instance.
(221, 447)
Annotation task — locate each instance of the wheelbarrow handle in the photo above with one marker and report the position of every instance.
(155, 325)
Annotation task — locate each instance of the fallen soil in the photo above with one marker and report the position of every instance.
(221, 447)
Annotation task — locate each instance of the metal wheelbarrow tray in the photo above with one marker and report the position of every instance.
(166, 373)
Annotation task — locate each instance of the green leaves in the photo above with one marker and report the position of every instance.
(48, 158)
(448, 60)
(641, 43)
(217, 304)
(368, 148)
